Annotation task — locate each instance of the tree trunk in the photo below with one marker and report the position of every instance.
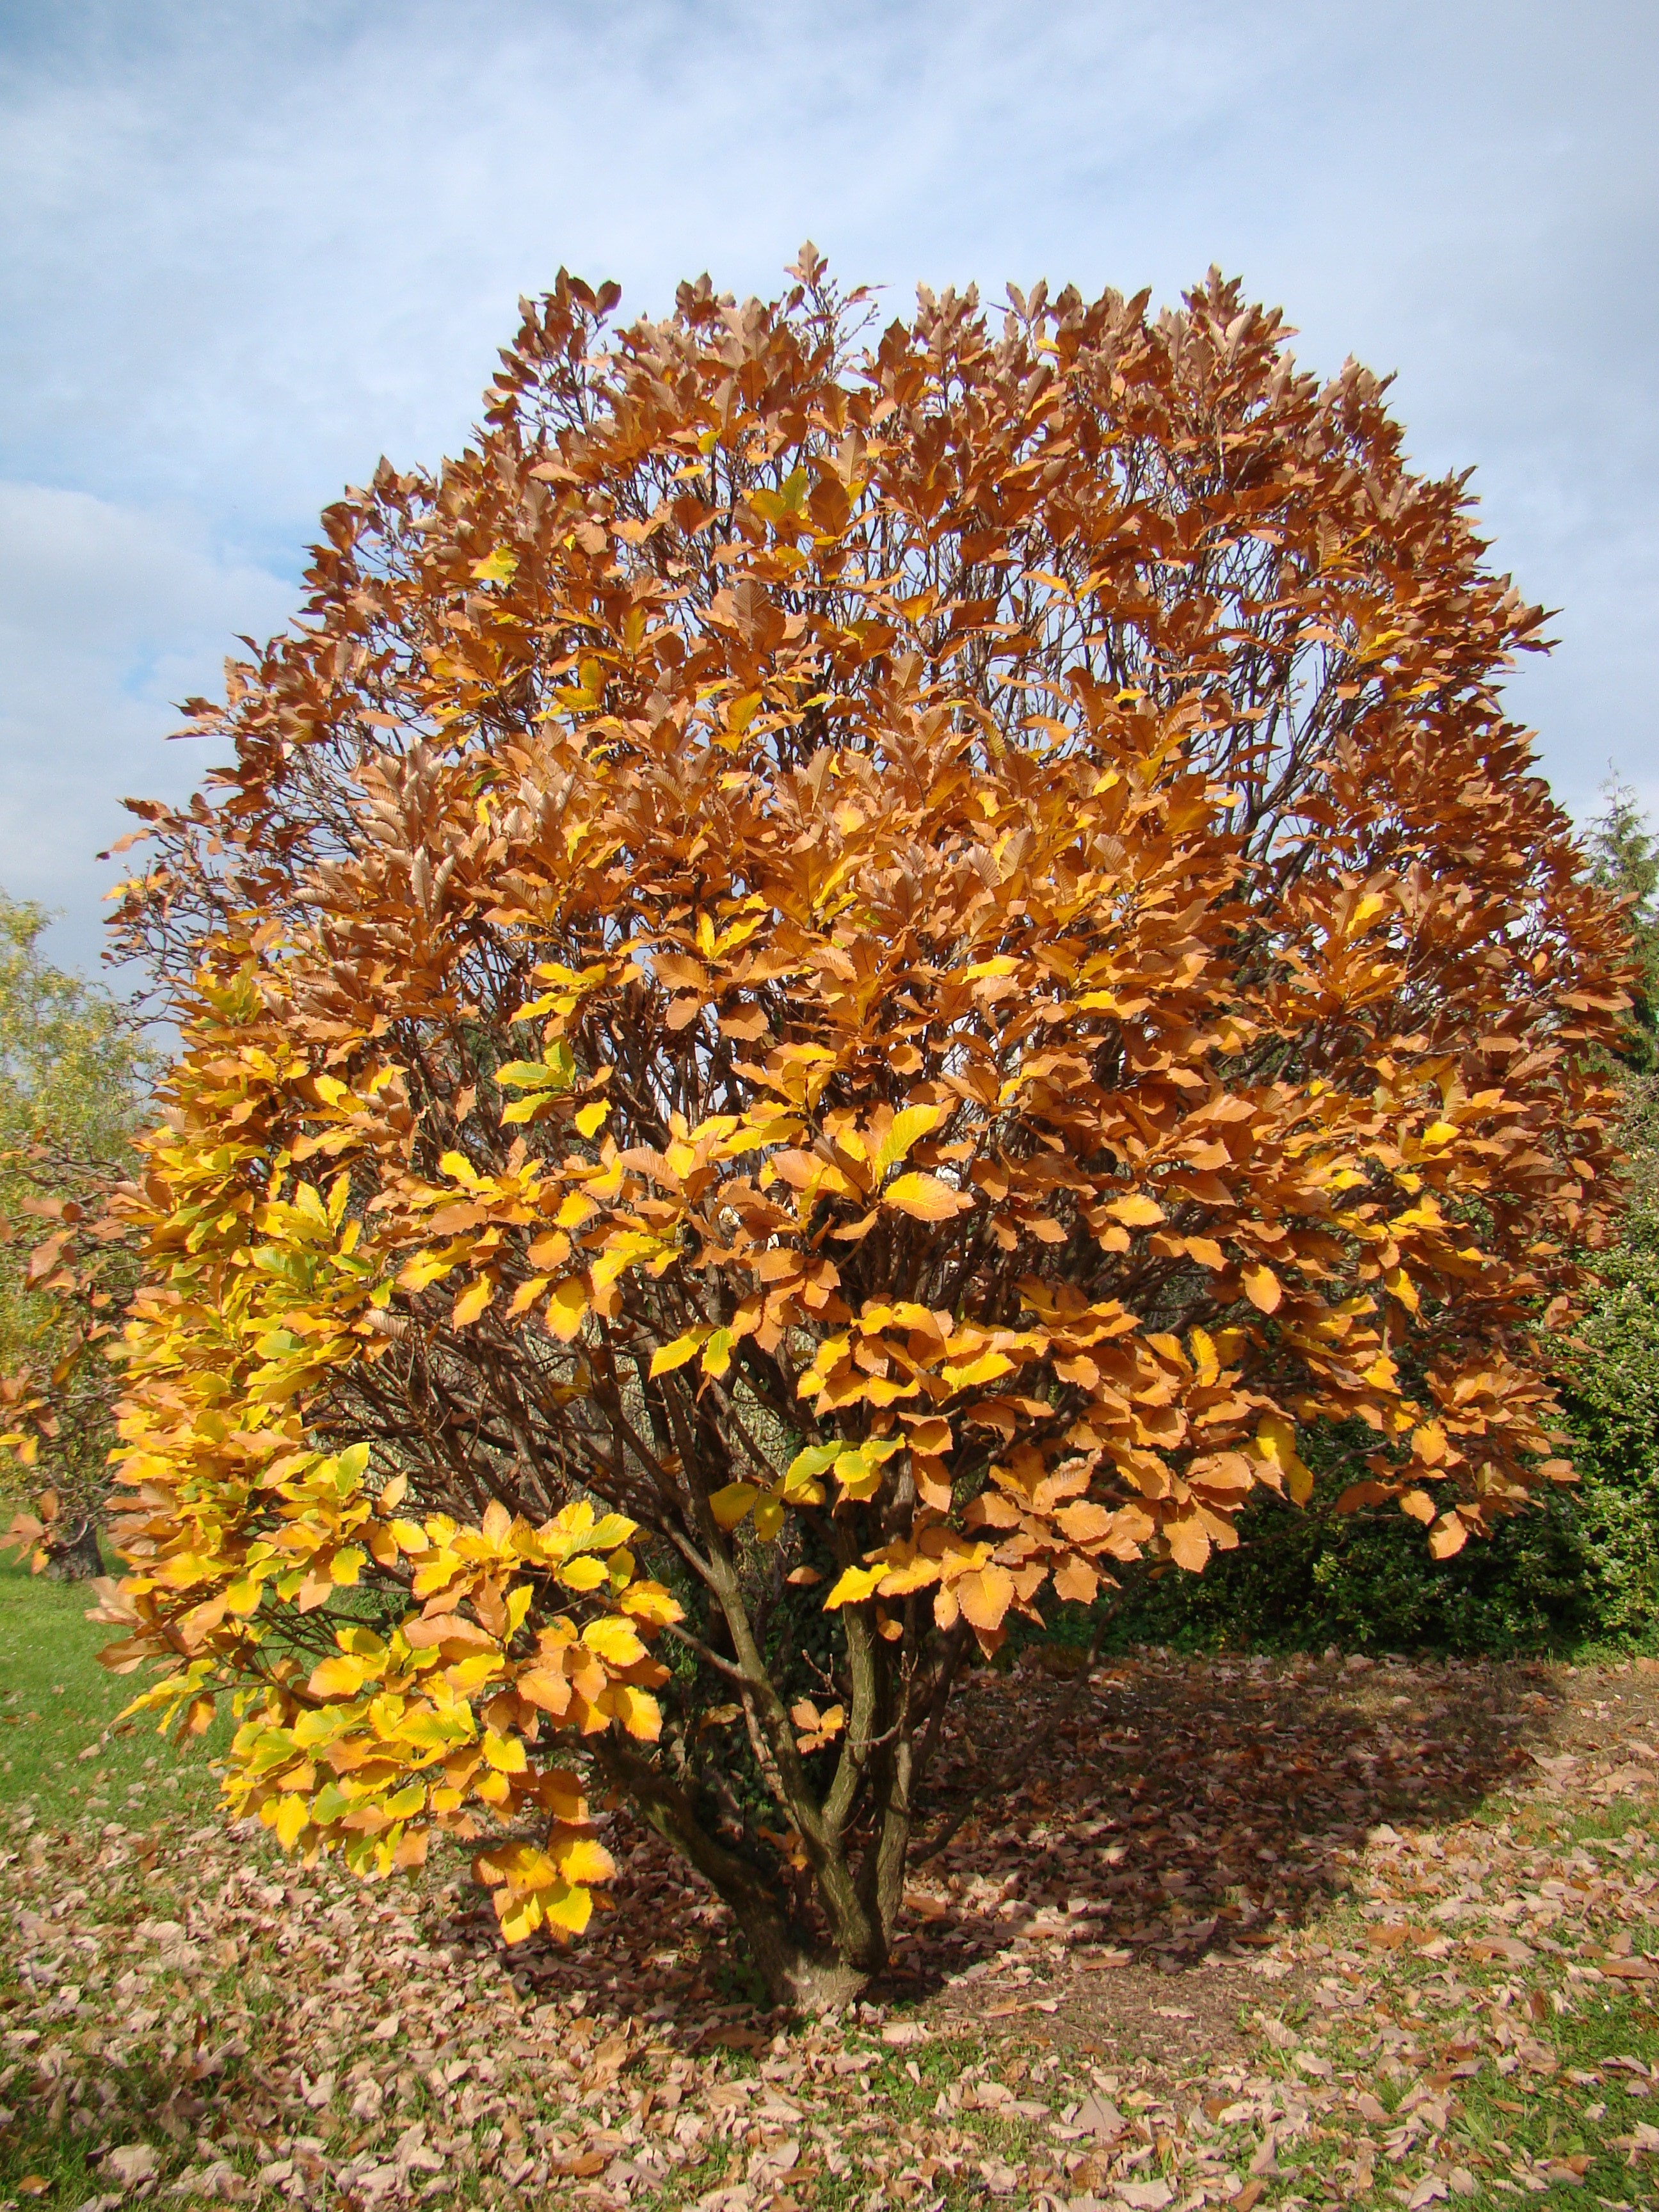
(799, 1973)
(802, 1976)
(79, 1560)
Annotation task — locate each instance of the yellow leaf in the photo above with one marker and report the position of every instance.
(1399, 1284)
(652, 1603)
(913, 1122)
(566, 1307)
(858, 1473)
(525, 1296)
(729, 1505)
(1135, 1212)
(570, 1909)
(717, 1353)
(854, 1585)
(592, 1117)
(768, 1519)
(1275, 1440)
(668, 1357)
(1262, 1287)
(985, 1369)
(637, 1710)
(1418, 1505)
(472, 1302)
(581, 1859)
(505, 1753)
(925, 1198)
(521, 1916)
(423, 1268)
(292, 1816)
(615, 1641)
(341, 1676)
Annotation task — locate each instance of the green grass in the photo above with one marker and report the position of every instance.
(1499, 2122)
(59, 1707)
(1553, 2123)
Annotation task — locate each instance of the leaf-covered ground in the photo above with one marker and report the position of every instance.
(1243, 1934)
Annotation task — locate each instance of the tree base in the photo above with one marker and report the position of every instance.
(809, 1983)
(80, 1560)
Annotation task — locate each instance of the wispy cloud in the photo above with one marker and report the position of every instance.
(249, 249)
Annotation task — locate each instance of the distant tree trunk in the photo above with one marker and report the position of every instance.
(79, 1560)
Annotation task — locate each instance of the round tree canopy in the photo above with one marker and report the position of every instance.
(839, 983)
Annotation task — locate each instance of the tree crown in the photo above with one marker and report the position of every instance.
(878, 970)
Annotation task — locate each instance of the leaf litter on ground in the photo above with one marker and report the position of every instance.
(1238, 1933)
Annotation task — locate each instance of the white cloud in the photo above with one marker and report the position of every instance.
(250, 249)
(107, 617)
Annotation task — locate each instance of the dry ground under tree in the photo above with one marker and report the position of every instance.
(1226, 1933)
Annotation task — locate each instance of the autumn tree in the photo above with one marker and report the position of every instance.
(1624, 854)
(74, 1069)
(835, 985)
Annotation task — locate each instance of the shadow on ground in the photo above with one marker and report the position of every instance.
(1127, 1847)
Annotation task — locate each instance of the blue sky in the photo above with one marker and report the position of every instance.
(251, 246)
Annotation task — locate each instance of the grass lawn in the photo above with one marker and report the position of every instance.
(1262, 1937)
(59, 1708)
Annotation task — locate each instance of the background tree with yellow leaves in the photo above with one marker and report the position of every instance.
(74, 1075)
(838, 982)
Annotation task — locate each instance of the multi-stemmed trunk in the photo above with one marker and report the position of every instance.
(855, 1838)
